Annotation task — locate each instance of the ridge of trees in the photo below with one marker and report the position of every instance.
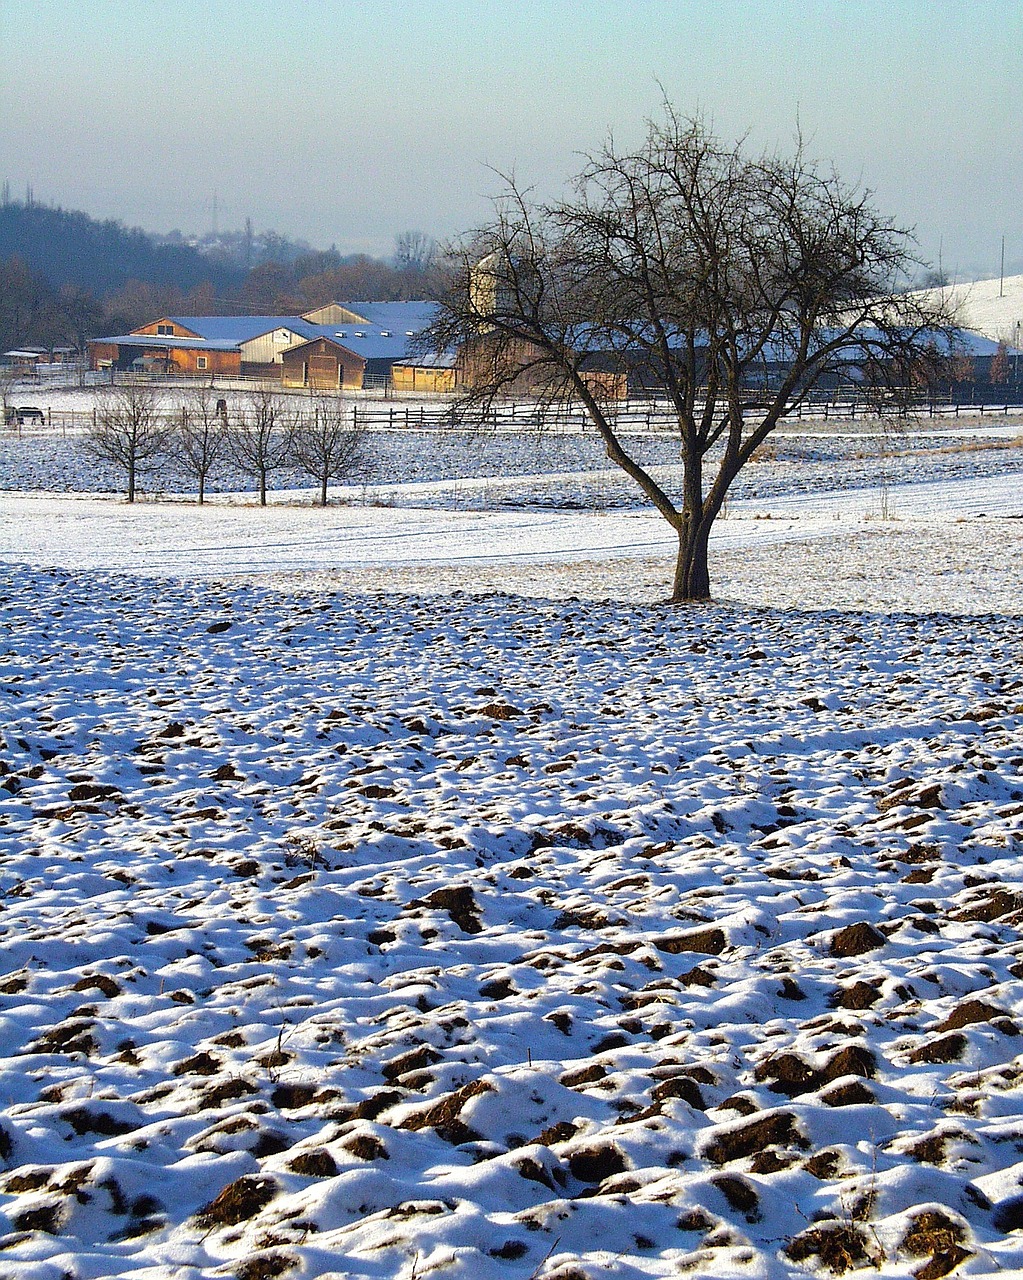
(70, 248)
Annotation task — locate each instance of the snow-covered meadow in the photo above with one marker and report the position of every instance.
(399, 891)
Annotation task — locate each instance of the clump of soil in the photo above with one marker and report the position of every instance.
(708, 942)
(680, 1087)
(939, 1237)
(838, 1246)
(792, 1075)
(45, 1217)
(946, 1049)
(969, 1012)
(594, 1164)
(459, 902)
(200, 1064)
(239, 1201)
(740, 1194)
(416, 1060)
(858, 996)
(293, 1096)
(318, 1163)
(777, 1127)
(365, 1147)
(266, 1266)
(443, 1116)
(856, 940)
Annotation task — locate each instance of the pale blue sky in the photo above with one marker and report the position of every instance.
(347, 122)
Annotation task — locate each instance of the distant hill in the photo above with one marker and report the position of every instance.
(70, 248)
(991, 307)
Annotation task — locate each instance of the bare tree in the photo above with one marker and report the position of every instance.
(702, 272)
(414, 251)
(329, 445)
(260, 440)
(8, 378)
(199, 440)
(129, 432)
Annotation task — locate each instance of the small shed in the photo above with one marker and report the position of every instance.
(322, 365)
(428, 373)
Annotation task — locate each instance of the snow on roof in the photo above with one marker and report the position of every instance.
(164, 341)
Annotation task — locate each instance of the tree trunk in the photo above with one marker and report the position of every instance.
(131, 481)
(202, 488)
(262, 488)
(323, 491)
(692, 575)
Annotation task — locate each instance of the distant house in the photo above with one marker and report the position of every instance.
(337, 347)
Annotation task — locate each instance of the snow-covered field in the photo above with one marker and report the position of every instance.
(397, 891)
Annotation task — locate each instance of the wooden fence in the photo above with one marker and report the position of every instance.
(630, 417)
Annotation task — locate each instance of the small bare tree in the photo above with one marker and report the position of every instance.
(199, 440)
(129, 432)
(260, 440)
(329, 445)
(8, 377)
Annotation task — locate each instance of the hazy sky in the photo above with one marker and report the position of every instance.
(347, 122)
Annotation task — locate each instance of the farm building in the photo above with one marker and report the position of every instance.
(355, 345)
(322, 364)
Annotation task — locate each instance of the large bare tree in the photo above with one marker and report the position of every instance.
(329, 445)
(130, 432)
(733, 283)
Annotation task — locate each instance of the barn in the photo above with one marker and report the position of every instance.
(322, 364)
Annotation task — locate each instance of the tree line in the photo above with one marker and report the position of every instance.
(66, 277)
(263, 435)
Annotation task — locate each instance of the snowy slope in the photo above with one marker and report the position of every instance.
(991, 307)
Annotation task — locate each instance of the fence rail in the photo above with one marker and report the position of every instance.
(630, 417)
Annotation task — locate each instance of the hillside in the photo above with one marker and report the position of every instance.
(66, 247)
(991, 307)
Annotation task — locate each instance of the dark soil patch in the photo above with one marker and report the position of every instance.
(856, 940)
(777, 1127)
(459, 902)
(318, 1163)
(740, 1194)
(939, 1237)
(969, 1012)
(365, 1146)
(837, 1246)
(708, 942)
(239, 1201)
(443, 1116)
(860, 995)
(946, 1049)
(267, 1266)
(594, 1164)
